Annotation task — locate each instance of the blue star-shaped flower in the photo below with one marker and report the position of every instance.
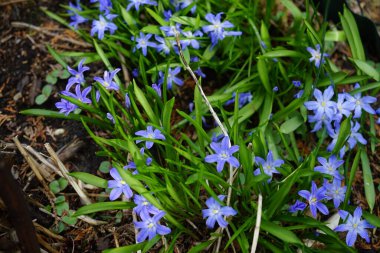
(137, 3)
(216, 213)
(118, 186)
(269, 166)
(77, 75)
(107, 80)
(354, 225)
(335, 191)
(216, 30)
(330, 166)
(223, 154)
(102, 25)
(80, 95)
(314, 199)
(143, 205)
(143, 43)
(171, 77)
(361, 103)
(150, 227)
(149, 133)
(316, 55)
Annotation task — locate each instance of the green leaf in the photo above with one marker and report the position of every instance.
(40, 99)
(368, 69)
(62, 183)
(56, 56)
(64, 74)
(90, 179)
(283, 53)
(280, 232)
(152, 29)
(201, 247)
(126, 249)
(336, 36)
(51, 79)
(344, 133)
(166, 114)
(54, 186)
(263, 74)
(145, 104)
(128, 18)
(157, 17)
(353, 35)
(369, 188)
(103, 206)
(105, 166)
(297, 14)
(291, 124)
(46, 90)
(69, 220)
(62, 207)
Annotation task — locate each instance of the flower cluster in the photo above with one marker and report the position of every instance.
(329, 113)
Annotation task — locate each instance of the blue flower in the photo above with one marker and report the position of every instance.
(135, 72)
(170, 31)
(118, 186)
(355, 136)
(150, 134)
(378, 114)
(216, 213)
(335, 191)
(110, 117)
(244, 98)
(150, 227)
(298, 206)
(216, 29)
(299, 94)
(143, 43)
(137, 3)
(107, 80)
(171, 77)
(330, 167)
(143, 205)
(131, 166)
(77, 76)
(190, 39)
(344, 106)
(316, 55)
(200, 73)
(223, 154)
(167, 15)
(323, 105)
(76, 19)
(104, 5)
(65, 106)
(354, 225)
(157, 88)
(269, 166)
(182, 4)
(314, 199)
(80, 95)
(163, 46)
(361, 103)
(297, 83)
(102, 25)
(127, 101)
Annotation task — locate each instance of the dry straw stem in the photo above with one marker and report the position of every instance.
(61, 167)
(257, 226)
(216, 118)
